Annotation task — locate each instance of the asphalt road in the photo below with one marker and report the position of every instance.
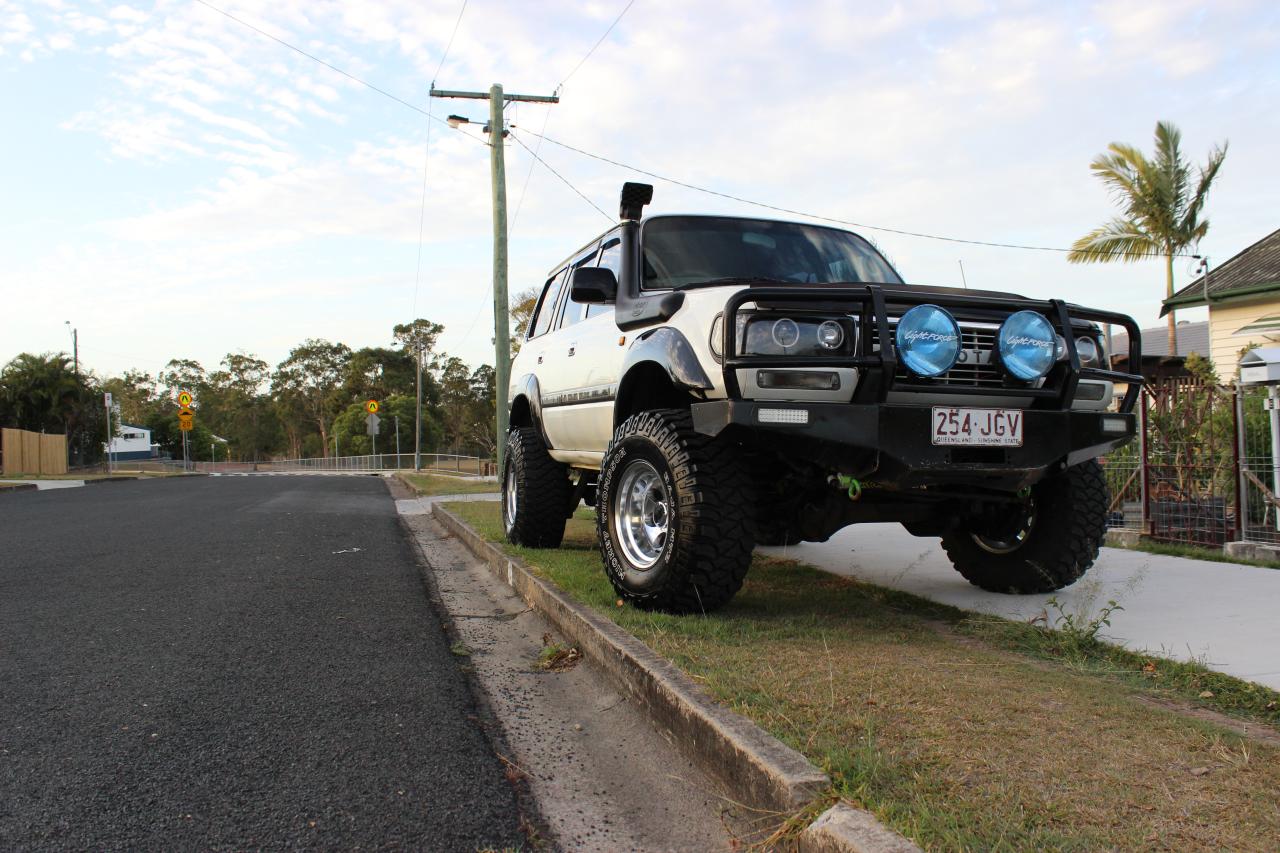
(236, 662)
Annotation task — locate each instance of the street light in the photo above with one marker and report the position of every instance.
(75, 345)
(454, 121)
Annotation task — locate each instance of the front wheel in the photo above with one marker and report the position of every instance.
(673, 516)
(1043, 544)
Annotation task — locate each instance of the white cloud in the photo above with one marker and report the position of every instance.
(961, 119)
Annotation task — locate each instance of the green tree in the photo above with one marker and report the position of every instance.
(182, 374)
(1162, 203)
(135, 393)
(420, 334)
(240, 412)
(43, 393)
(309, 382)
(521, 312)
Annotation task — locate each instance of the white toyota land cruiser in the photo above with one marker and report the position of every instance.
(710, 382)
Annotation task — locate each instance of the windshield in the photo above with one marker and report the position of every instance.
(680, 251)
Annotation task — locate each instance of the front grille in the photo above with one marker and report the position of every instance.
(981, 370)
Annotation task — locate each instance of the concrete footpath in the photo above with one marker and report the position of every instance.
(42, 485)
(1222, 614)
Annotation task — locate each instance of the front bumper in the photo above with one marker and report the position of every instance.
(894, 441)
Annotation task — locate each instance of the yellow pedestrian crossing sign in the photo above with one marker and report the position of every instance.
(371, 406)
(184, 399)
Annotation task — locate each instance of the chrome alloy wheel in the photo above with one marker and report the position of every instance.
(641, 515)
(510, 500)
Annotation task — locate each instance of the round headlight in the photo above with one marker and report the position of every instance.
(1087, 349)
(928, 340)
(830, 335)
(786, 333)
(1028, 345)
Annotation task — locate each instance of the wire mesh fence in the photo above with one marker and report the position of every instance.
(1203, 471)
(441, 463)
(1259, 474)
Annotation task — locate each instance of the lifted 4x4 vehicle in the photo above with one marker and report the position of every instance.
(711, 382)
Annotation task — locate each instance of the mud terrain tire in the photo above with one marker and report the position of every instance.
(685, 545)
(535, 492)
(1070, 514)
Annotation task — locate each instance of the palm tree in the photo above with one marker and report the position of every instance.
(40, 392)
(1161, 208)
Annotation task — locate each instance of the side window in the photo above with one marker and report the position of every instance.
(547, 306)
(575, 312)
(611, 259)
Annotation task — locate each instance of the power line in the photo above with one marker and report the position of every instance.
(314, 58)
(562, 178)
(599, 42)
(449, 46)
(515, 217)
(655, 175)
(792, 212)
(426, 162)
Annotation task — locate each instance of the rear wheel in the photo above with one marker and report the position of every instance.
(672, 515)
(1041, 545)
(535, 491)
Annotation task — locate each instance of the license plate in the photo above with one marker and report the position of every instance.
(981, 427)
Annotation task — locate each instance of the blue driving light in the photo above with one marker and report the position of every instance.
(928, 340)
(1028, 345)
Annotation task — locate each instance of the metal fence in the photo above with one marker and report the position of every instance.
(1202, 471)
(443, 463)
(1258, 481)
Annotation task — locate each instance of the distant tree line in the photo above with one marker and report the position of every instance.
(311, 404)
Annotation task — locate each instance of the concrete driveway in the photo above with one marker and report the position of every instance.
(1224, 615)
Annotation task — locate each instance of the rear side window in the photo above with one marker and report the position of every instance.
(547, 305)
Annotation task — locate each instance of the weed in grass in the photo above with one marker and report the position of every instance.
(1076, 632)
(460, 650)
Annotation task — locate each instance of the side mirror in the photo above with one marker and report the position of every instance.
(594, 285)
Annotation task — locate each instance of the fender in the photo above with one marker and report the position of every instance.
(527, 387)
(670, 351)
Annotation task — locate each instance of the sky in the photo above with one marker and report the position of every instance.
(177, 185)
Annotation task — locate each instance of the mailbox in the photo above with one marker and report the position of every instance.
(1260, 367)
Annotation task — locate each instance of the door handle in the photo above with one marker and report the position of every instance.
(573, 346)
(539, 359)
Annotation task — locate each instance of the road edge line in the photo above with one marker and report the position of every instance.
(740, 754)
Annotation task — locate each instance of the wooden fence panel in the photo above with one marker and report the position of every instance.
(53, 454)
(33, 453)
(12, 439)
(30, 452)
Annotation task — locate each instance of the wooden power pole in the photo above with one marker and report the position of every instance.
(498, 171)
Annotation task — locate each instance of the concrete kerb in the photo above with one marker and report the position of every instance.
(764, 772)
(18, 487)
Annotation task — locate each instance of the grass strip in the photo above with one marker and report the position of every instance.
(435, 484)
(1194, 552)
(956, 732)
